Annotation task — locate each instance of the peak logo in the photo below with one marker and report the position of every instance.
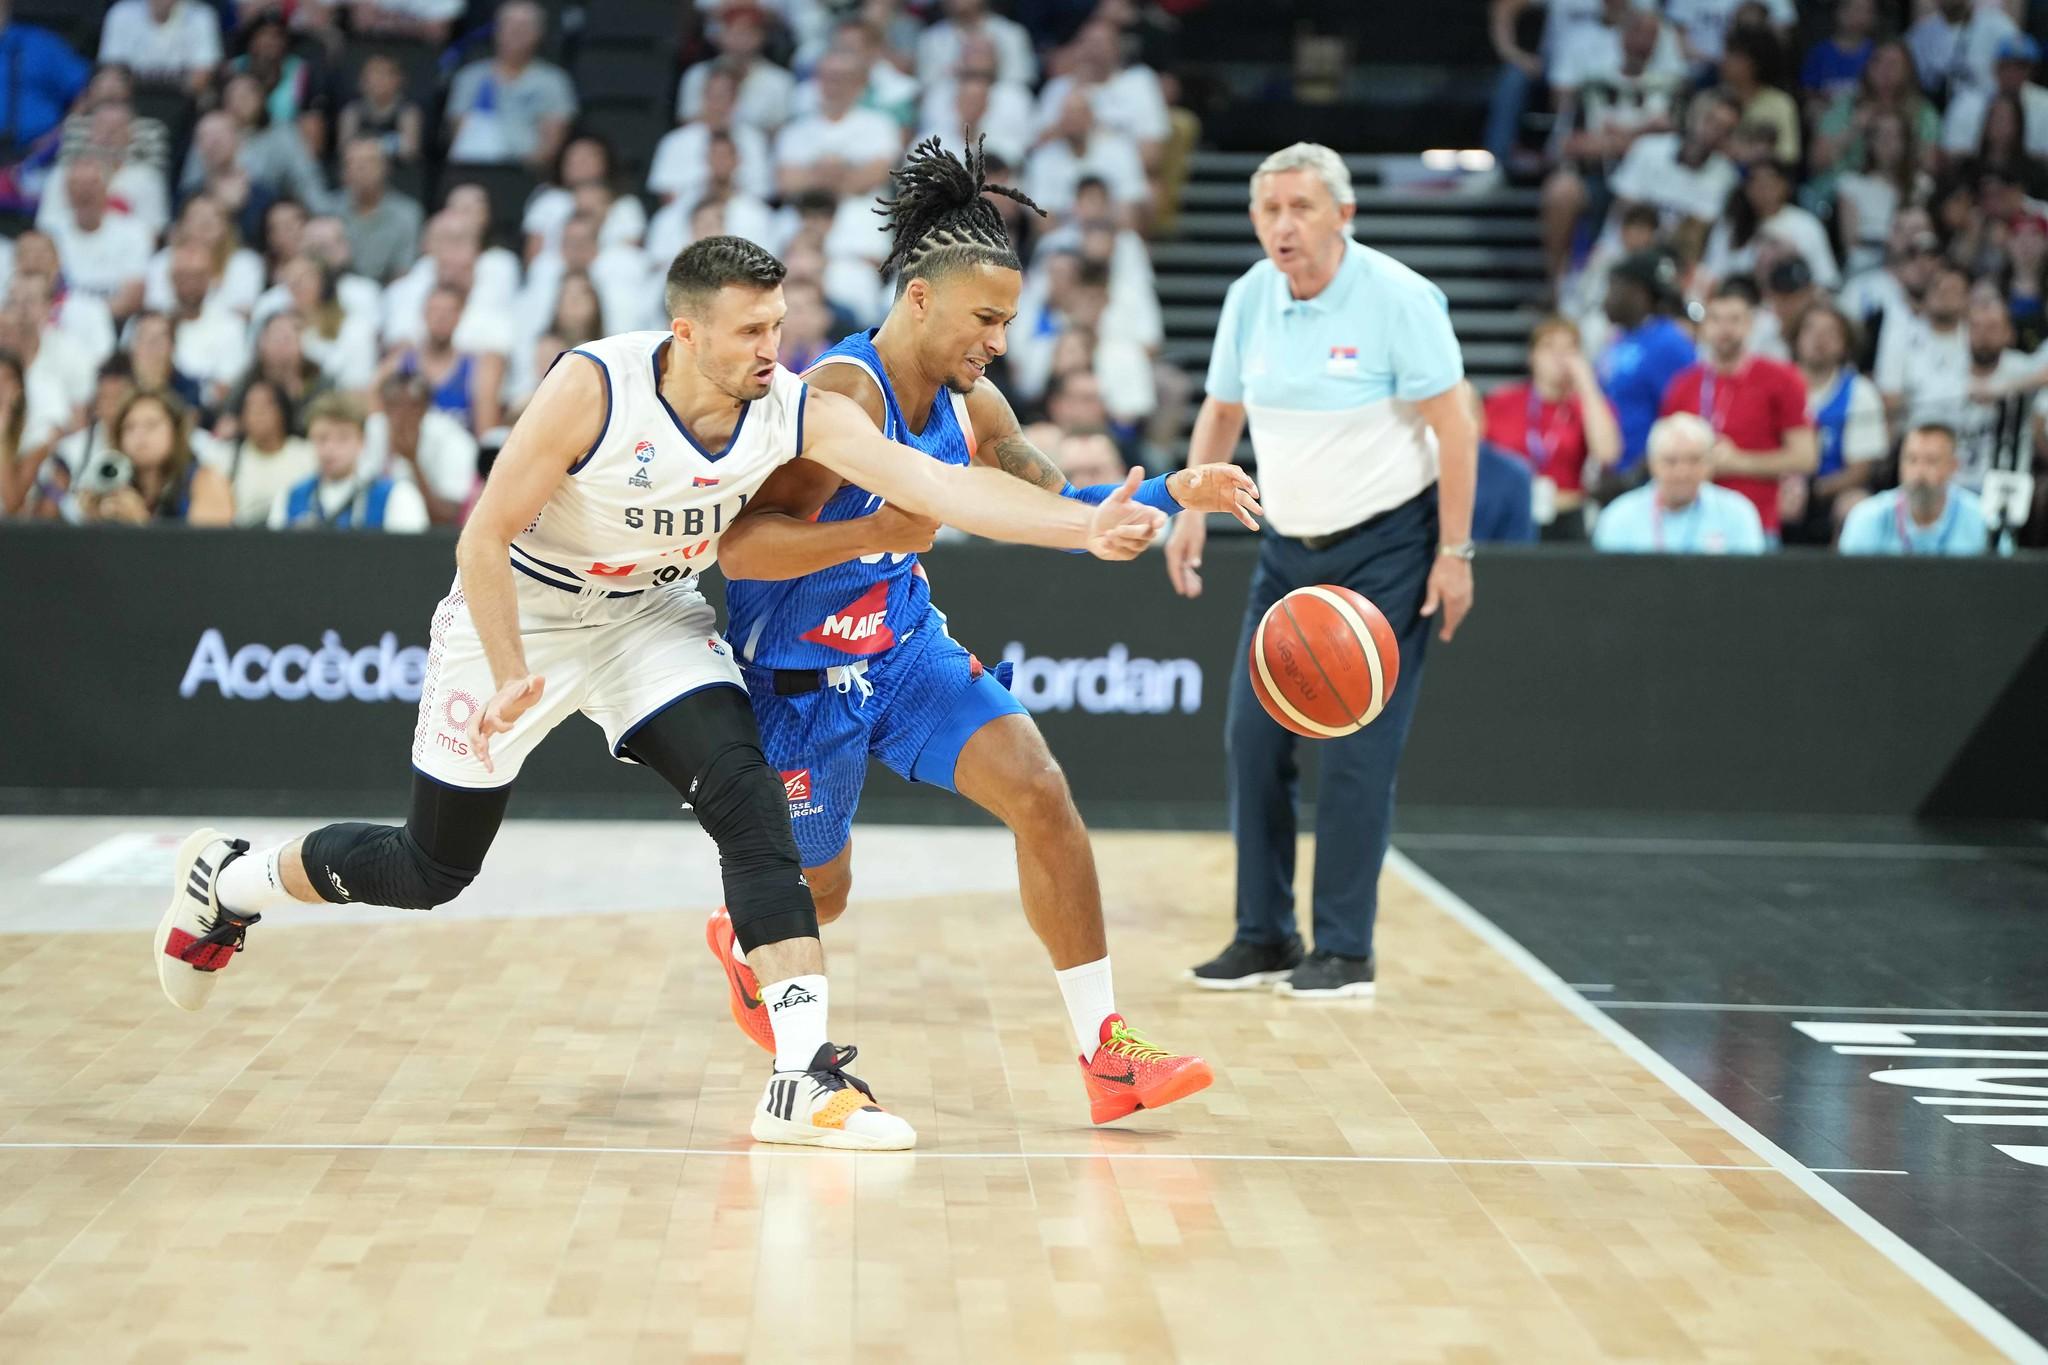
(860, 627)
(1113, 683)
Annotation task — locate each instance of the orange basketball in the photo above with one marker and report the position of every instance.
(1324, 661)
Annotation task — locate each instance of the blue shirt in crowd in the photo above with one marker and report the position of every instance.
(1635, 369)
(1883, 525)
(1830, 68)
(1501, 506)
(39, 78)
(1719, 521)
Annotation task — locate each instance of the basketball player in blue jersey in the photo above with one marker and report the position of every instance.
(845, 655)
(576, 590)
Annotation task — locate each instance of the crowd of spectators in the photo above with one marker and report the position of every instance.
(1796, 256)
(256, 274)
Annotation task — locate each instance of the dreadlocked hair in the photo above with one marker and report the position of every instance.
(938, 220)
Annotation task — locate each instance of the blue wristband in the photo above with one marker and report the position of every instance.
(1151, 493)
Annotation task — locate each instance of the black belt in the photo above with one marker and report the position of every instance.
(1325, 542)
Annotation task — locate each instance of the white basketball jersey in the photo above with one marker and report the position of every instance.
(647, 504)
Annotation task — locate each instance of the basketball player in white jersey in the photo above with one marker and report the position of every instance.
(576, 591)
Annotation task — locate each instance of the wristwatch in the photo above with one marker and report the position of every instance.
(1464, 550)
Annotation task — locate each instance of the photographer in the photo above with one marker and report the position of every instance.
(151, 475)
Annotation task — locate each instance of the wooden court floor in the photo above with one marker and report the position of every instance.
(524, 1138)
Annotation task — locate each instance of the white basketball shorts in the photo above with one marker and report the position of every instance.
(618, 660)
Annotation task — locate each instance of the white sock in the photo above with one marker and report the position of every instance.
(796, 1007)
(251, 884)
(1090, 1000)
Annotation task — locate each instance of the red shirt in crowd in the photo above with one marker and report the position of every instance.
(1753, 407)
(1550, 436)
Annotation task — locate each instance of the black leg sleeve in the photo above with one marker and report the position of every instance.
(707, 747)
(425, 863)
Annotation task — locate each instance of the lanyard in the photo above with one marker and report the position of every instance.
(1940, 527)
(1657, 526)
(1537, 438)
(1710, 409)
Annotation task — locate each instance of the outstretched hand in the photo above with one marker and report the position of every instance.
(1217, 488)
(498, 716)
(1120, 528)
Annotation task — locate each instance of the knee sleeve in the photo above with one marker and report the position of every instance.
(425, 863)
(708, 749)
(743, 807)
(379, 865)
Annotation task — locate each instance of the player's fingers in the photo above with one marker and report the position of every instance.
(1429, 599)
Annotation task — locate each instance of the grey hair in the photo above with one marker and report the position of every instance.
(1314, 157)
(1680, 426)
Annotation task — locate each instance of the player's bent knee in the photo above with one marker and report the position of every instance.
(379, 865)
(1039, 798)
(744, 808)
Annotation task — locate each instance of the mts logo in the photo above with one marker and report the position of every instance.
(860, 627)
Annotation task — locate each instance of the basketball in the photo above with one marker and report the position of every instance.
(1324, 661)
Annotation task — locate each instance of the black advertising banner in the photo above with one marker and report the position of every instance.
(165, 669)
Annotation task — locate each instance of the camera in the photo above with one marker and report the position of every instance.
(104, 473)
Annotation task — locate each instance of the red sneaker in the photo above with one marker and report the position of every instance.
(745, 996)
(1129, 1074)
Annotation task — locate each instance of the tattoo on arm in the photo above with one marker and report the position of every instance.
(1015, 455)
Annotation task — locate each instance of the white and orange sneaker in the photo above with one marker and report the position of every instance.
(826, 1107)
(743, 987)
(197, 936)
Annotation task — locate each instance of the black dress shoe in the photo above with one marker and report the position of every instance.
(1246, 966)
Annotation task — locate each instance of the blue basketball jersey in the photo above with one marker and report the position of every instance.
(860, 608)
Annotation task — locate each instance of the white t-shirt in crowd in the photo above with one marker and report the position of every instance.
(1793, 226)
(238, 287)
(857, 136)
(187, 41)
(625, 223)
(1926, 366)
(1652, 174)
(938, 50)
(1962, 127)
(1877, 301)
(1958, 56)
(447, 455)
(888, 91)
(486, 318)
(136, 189)
(1054, 169)
(1705, 22)
(103, 262)
(628, 291)
(257, 479)
(84, 320)
(681, 164)
(1593, 53)
(1130, 102)
(71, 371)
(669, 230)
(763, 100)
(1008, 125)
(213, 348)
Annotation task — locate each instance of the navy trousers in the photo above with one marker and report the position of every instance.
(1388, 560)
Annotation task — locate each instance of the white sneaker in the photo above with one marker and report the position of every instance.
(825, 1107)
(196, 937)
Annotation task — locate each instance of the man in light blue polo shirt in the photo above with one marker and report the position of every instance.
(1344, 363)
(1928, 513)
(1680, 511)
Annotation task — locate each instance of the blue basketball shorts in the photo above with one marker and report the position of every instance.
(914, 709)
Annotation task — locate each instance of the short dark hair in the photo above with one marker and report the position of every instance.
(1092, 274)
(1738, 287)
(704, 267)
(1941, 429)
(1642, 215)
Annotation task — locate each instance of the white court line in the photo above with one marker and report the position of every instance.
(1714, 1007)
(507, 1149)
(1804, 848)
(1992, 1325)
